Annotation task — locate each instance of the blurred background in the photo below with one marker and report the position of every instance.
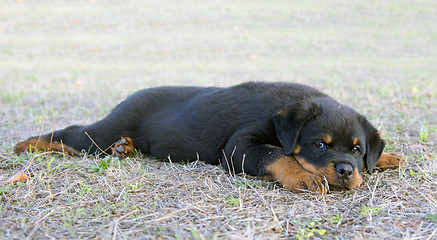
(65, 62)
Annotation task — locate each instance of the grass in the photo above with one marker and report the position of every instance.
(308, 229)
(66, 62)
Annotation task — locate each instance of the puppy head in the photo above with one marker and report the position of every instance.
(330, 140)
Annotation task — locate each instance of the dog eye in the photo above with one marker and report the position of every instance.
(320, 144)
(356, 150)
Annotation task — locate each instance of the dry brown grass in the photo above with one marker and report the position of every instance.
(143, 198)
(70, 62)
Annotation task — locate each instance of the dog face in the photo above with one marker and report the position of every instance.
(329, 140)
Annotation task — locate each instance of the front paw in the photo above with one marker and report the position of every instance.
(389, 161)
(304, 182)
(292, 176)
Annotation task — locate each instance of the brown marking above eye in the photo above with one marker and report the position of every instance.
(327, 139)
(355, 141)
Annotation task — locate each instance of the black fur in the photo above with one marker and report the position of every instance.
(244, 127)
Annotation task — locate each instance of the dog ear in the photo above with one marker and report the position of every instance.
(374, 146)
(290, 121)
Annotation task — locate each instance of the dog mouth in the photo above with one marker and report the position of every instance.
(344, 184)
(340, 184)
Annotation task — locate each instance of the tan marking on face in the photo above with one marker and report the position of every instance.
(355, 141)
(327, 139)
(330, 173)
(297, 149)
(356, 180)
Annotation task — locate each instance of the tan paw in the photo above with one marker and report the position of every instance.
(123, 147)
(312, 183)
(389, 161)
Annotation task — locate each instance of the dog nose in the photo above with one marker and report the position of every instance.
(344, 170)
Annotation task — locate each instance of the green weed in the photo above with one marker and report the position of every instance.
(335, 219)
(390, 147)
(104, 164)
(417, 176)
(49, 164)
(308, 229)
(3, 190)
(198, 236)
(424, 133)
(432, 217)
(367, 211)
(20, 160)
(84, 190)
(247, 182)
(70, 216)
(231, 201)
(384, 91)
(68, 166)
(134, 187)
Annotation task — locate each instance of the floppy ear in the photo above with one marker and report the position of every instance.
(290, 121)
(374, 146)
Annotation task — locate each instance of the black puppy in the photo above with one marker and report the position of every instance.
(284, 132)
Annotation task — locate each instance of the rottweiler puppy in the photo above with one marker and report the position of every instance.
(284, 132)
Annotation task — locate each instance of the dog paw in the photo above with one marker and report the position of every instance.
(313, 184)
(123, 147)
(292, 176)
(306, 182)
(389, 161)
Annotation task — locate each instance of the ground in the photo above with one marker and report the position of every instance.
(71, 62)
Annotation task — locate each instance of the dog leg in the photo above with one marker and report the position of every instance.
(43, 144)
(389, 161)
(292, 176)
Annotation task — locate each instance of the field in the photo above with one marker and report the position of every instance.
(70, 62)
